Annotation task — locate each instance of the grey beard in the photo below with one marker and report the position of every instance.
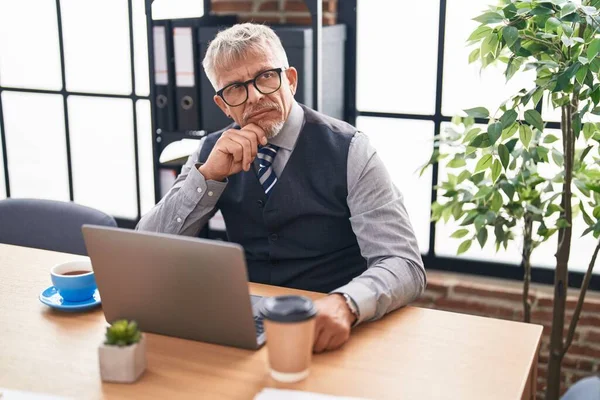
(274, 129)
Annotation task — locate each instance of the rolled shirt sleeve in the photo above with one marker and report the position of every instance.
(188, 205)
(395, 274)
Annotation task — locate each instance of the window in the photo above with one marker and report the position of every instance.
(395, 71)
(401, 105)
(92, 142)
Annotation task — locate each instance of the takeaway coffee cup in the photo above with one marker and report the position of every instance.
(290, 329)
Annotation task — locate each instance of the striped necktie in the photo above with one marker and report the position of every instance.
(266, 174)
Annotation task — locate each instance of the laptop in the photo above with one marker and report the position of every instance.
(178, 286)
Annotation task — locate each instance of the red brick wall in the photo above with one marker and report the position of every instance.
(274, 11)
(501, 299)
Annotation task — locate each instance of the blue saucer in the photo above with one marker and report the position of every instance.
(52, 298)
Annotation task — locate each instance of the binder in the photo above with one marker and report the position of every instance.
(186, 75)
(162, 69)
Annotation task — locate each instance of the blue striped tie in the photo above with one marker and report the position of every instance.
(266, 174)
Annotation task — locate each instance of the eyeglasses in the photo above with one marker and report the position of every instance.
(267, 82)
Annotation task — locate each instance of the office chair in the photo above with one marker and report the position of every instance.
(585, 389)
(48, 224)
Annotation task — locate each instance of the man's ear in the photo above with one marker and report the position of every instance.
(219, 101)
(292, 77)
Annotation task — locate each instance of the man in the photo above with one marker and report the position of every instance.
(304, 194)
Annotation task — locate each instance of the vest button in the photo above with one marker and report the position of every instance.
(274, 237)
(260, 203)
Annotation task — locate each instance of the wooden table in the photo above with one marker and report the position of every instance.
(413, 353)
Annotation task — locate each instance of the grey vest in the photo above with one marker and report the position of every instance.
(300, 236)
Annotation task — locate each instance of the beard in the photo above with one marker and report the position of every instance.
(271, 126)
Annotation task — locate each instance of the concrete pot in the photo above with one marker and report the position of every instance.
(122, 364)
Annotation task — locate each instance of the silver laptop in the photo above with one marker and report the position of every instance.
(175, 285)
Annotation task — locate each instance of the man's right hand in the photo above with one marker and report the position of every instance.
(234, 151)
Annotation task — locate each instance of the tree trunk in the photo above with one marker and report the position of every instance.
(527, 248)
(562, 256)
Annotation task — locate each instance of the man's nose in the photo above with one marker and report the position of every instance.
(253, 94)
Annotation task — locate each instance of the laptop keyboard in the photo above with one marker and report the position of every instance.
(258, 323)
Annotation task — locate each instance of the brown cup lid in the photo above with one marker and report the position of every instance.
(288, 309)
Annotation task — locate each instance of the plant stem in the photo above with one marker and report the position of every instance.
(584, 285)
(527, 248)
(561, 273)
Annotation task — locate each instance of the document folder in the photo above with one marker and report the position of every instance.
(164, 93)
(186, 91)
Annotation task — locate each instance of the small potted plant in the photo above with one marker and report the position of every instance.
(123, 354)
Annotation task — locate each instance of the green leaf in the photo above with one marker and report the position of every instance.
(508, 189)
(479, 33)
(496, 170)
(477, 178)
(460, 233)
(525, 134)
(508, 133)
(481, 141)
(479, 222)
(512, 67)
(588, 130)
(596, 212)
(585, 215)
(474, 55)
(588, 230)
(504, 155)
(484, 163)
(478, 112)
(552, 208)
(510, 11)
(510, 145)
(494, 131)
(534, 118)
(483, 192)
(489, 18)
(585, 152)
(462, 176)
(489, 45)
(550, 139)
(569, 8)
(581, 73)
(508, 118)
(537, 96)
(496, 201)
(593, 49)
(482, 236)
(557, 157)
(464, 246)
(510, 34)
(542, 153)
(552, 24)
(457, 163)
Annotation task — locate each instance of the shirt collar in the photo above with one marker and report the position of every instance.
(286, 138)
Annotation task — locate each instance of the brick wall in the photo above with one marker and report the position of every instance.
(273, 11)
(503, 299)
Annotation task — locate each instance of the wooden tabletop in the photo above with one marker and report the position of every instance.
(412, 353)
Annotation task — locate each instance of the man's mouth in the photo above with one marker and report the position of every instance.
(259, 113)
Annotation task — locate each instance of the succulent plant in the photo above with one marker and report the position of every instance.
(123, 333)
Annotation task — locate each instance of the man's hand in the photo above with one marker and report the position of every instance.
(234, 151)
(334, 320)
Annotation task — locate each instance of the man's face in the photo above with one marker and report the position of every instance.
(269, 111)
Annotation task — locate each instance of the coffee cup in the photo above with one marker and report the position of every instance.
(290, 328)
(74, 280)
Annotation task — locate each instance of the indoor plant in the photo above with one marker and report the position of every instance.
(123, 353)
(511, 190)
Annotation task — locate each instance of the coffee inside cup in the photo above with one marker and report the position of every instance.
(70, 273)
